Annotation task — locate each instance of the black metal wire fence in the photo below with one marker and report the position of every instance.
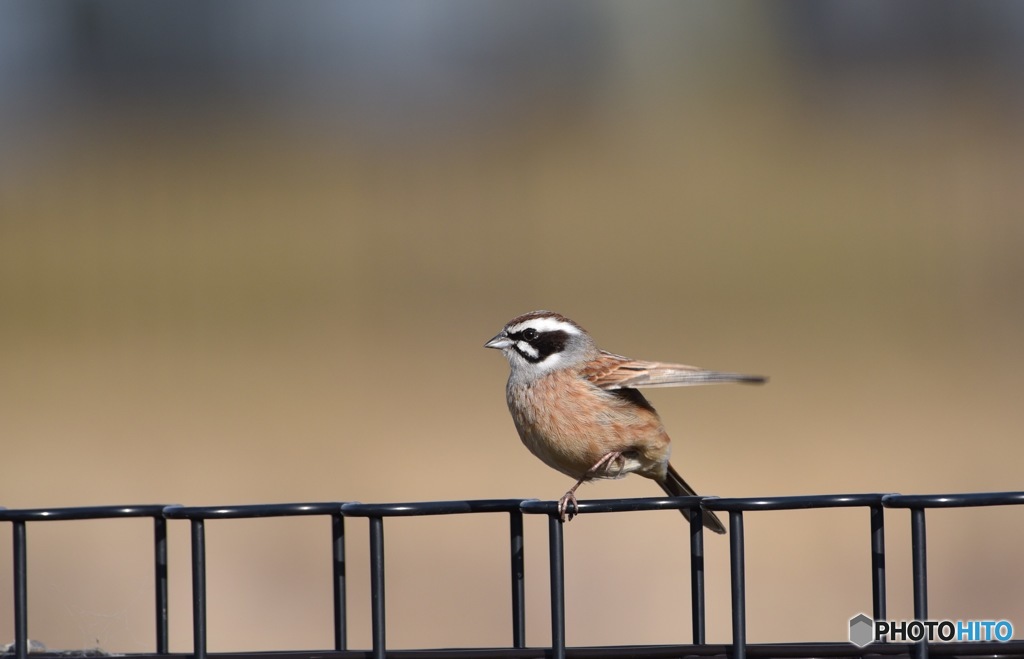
(515, 509)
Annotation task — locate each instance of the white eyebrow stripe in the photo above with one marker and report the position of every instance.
(545, 325)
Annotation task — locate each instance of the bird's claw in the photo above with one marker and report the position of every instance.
(567, 500)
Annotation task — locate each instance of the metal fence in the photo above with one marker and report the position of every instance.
(515, 509)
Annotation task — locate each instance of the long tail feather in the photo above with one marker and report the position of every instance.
(675, 486)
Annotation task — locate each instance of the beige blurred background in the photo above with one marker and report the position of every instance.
(249, 253)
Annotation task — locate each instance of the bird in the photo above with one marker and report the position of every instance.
(578, 408)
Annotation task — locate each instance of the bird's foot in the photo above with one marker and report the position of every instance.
(607, 464)
(567, 500)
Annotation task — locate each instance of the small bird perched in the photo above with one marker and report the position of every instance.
(577, 408)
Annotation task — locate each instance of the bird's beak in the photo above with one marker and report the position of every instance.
(499, 342)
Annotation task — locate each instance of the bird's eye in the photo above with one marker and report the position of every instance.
(529, 334)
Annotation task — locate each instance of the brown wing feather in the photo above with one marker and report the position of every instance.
(611, 371)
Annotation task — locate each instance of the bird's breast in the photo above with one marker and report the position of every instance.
(570, 425)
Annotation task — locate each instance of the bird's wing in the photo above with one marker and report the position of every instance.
(611, 371)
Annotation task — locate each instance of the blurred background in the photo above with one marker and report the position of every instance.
(250, 251)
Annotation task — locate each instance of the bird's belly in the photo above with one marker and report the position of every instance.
(572, 436)
(575, 457)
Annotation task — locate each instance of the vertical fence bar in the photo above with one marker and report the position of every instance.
(338, 579)
(878, 562)
(918, 548)
(697, 576)
(160, 576)
(377, 586)
(518, 569)
(20, 590)
(198, 589)
(556, 557)
(738, 573)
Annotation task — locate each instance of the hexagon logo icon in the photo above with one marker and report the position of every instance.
(861, 630)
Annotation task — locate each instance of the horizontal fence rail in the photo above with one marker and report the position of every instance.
(375, 514)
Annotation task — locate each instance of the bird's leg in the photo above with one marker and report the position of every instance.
(611, 456)
(569, 498)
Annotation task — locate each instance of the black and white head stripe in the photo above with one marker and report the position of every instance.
(540, 336)
(543, 322)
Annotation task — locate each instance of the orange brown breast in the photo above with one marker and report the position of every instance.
(570, 424)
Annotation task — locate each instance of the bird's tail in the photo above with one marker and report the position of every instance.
(675, 486)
